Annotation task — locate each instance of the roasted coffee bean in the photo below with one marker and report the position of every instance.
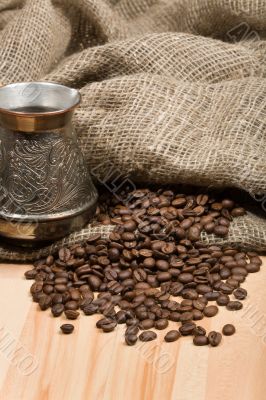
(199, 304)
(251, 268)
(94, 282)
(172, 336)
(131, 339)
(90, 309)
(71, 305)
(199, 331)
(185, 277)
(212, 296)
(240, 293)
(71, 314)
(223, 300)
(202, 289)
(238, 212)
(197, 315)
(161, 324)
(109, 327)
(147, 336)
(121, 317)
(57, 309)
(31, 274)
(174, 316)
(45, 302)
(221, 230)
(103, 321)
(225, 288)
(234, 306)
(146, 324)
(67, 328)
(214, 338)
(163, 276)
(36, 287)
(210, 311)
(228, 330)
(187, 328)
(186, 316)
(190, 294)
(200, 340)
(193, 233)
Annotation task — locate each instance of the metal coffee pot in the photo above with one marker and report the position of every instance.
(46, 190)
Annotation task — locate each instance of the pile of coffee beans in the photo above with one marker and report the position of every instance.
(152, 269)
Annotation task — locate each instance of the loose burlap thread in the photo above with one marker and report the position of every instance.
(173, 91)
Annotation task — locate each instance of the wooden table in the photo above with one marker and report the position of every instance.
(89, 365)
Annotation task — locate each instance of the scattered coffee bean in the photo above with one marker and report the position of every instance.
(240, 294)
(234, 305)
(210, 311)
(172, 336)
(228, 330)
(200, 340)
(215, 338)
(154, 252)
(67, 328)
(57, 309)
(161, 324)
(131, 339)
(71, 314)
(147, 336)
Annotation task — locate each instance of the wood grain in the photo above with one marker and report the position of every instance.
(93, 365)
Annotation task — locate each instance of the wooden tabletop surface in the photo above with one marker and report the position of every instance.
(39, 363)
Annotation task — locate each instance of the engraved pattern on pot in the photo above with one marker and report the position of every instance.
(42, 175)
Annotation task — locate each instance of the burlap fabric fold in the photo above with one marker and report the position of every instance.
(174, 91)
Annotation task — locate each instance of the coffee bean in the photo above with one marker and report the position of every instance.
(194, 233)
(227, 203)
(197, 315)
(186, 316)
(71, 314)
(185, 277)
(209, 227)
(45, 302)
(57, 309)
(161, 324)
(200, 340)
(220, 230)
(90, 309)
(109, 326)
(240, 294)
(67, 328)
(146, 324)
(172, 336)
(202, 289)
(252, 268)
(147, 336)
(187, 328)
(223, 300)
(94, 282)
(214, 338)
(228, 330)
(212, 296)
(71, 305)
(31, 274)
(199, 331)
(238, 212)
(210, 311)
(131, 339)
(234, 306)
(163, 276)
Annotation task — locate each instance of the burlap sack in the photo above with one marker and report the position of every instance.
(173, 91)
